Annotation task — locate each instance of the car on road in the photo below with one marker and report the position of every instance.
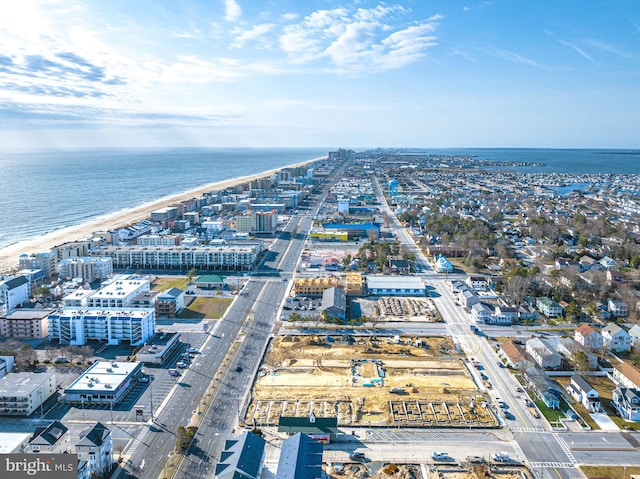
(509, 416)
(238, 368)
(181, 364)
(357, 456)
(501, 456)
(439, 456)
(193, 351)
(62, 360)
(503, 405)
(143, 379)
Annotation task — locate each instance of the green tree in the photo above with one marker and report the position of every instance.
(183, 438)
(191, 274)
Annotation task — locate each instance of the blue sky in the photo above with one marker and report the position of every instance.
(543, 73)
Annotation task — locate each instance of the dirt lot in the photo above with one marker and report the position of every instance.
(367, 383)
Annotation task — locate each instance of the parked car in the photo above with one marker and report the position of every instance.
(439, 455)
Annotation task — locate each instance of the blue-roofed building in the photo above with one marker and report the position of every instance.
(442, 264)
(170, 303)
(354, 230)
(300, 458)
(242, 458)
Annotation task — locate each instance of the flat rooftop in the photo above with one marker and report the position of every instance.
(119, 289)
(103, 376)
(395, 282)
(129, 313)
(9, 441)
(23, 384)
(79, 294)
(28, 314)
(157, 343)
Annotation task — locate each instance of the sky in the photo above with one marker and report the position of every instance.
(316, 73)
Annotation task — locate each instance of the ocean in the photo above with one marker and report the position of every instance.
(47, 190)
(42, 191)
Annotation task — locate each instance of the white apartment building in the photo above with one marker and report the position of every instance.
(47, 261)
(118, 292)
(218, 257)
(115, 326)
(87, 268)
(158, 240)
(254, 222)
(23, 393)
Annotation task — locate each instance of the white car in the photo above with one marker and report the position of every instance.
(501, 456)
(439, 455)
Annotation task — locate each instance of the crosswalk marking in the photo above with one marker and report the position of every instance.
(565, 447)
(558, 465)
(529, 429)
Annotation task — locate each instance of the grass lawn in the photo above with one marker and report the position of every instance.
(614, 472)
(162, 284)
(210, 308)
(552, 415)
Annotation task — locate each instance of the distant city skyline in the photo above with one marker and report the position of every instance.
(319, 73)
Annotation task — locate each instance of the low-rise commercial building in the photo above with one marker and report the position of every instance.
(158, 348)
(395, 286)
(25, 324)
(23, 393)
(104, 382)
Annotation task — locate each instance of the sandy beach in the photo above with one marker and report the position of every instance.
(9, 255)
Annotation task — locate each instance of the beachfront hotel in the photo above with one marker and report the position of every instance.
(114, 326)
(223, 257)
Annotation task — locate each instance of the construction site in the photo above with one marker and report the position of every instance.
(410, 382)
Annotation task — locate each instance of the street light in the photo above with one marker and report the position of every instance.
(150, 393)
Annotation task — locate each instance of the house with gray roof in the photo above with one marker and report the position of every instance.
(634, 332)
(584, 393)
(546, 389)
(170, 303)
(334, 303)
(300, 458)
(615, 338)
(627, 402)
(544, 353)
(481, 313)
(242, 458)
(468, 298)
(96, 447)
(52, 439)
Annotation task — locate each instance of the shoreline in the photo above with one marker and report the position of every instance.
(9, 254)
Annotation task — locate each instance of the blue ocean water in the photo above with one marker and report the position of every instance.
(46, 190)
(42, 191)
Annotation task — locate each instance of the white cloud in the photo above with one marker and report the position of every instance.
(256, 32)
(576, 48)
(232, 10)
(361, 41)
(290, 16)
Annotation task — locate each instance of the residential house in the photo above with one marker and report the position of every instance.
(589, 337)
(526, 313)
(468, 298)
(505, 315)
(399, 265)
(477, 283)
(96, 447)
(481, 313)
(584, 393)
(549, 307)
(546, 389)
(544, 353)
(442, 265)
(617, 308)
(300, 458)
(586, 262)
(634, 332)
(614, 278)
(615, 338)
(608, 263)
(515, 356)
(627, 375)
(52, 439)
(242, 457)
(627, 402)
